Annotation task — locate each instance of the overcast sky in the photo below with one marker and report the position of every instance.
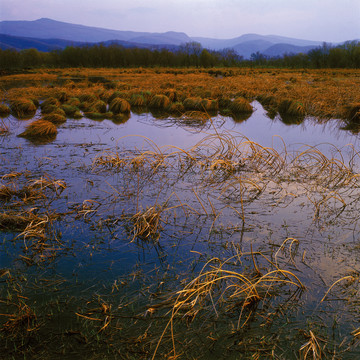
(323, 20)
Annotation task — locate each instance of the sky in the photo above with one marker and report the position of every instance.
(320, 20)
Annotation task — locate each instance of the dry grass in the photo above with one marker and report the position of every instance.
(219, 287)
(22, 107)
(119, 105)
(4, 110)
(40, 129)
(240, 106)
(159, 102)
(321, 93)
(54, 118)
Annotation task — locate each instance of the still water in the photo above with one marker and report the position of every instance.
(95, 255)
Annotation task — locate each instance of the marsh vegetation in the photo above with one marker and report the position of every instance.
(152, 214)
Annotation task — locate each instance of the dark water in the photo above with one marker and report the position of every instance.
(95, 257)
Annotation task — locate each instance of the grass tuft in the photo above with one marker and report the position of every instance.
(240, 106)
(159, 102)
(40, 129)
(23, 107)
(119, 105)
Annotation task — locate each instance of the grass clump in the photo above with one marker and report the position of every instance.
(241, 106)
(49, 101)
(4, 110)
(137, 100)
(352, 113)
(291, 108)
(73, 102)
(98, 106)
(23, 107)
(119, 105)
(69, 110)
(159, 102)
(54, 118)
(40, 129)
(88, 97)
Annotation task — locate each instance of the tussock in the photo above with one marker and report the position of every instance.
(119, 105)
(22, 108)
(40, 129)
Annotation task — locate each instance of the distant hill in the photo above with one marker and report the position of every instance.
(51, 29)
(21, 43)
(46, 34)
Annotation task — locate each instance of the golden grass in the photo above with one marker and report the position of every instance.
(54, 118)
(22, 107)
(40, 129)
(119, 105)
(221, 287)
(240, 106)
(159, 102)
(325, 93)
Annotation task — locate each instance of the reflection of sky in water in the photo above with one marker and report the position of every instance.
(258, 128)
(79, 141)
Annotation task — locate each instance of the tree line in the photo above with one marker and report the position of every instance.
(187, 55)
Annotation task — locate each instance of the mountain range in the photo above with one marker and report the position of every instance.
(47, 34)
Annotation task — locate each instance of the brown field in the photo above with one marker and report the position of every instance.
(323, 94)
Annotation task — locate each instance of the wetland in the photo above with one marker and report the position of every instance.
(174, 214)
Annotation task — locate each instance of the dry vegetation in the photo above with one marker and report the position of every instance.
(225, 173)
(323, 94)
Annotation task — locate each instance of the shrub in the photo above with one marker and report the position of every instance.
(119, 105)
(40, 129)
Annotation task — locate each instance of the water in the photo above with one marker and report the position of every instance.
(91, 257)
